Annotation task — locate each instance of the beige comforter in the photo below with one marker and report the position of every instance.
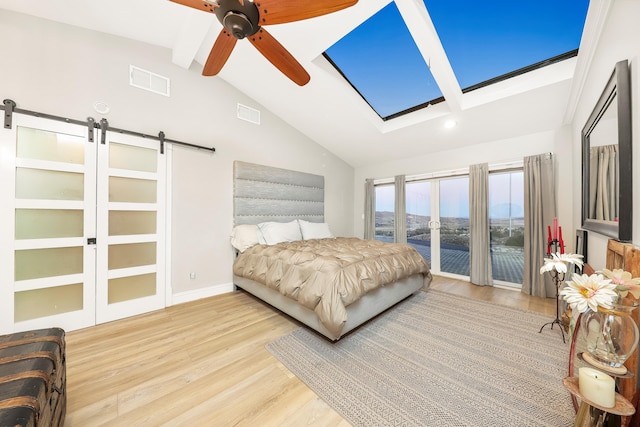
(326, 275)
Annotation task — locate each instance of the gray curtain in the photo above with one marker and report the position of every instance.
(400, 216)
(539, 211)
(603, 182)
(369, 210)
(479, 241)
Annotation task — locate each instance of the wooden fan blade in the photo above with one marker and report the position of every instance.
(207, 6)
(219, 54)
(281, 11)
(268, 46)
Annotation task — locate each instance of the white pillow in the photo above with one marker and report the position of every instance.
(244, 236)
(315, 230)
(276, 232)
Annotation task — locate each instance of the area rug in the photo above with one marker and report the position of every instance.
(438, 360)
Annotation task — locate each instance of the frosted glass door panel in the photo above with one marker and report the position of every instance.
(132, 222)
(51, 146)
(132, 287)
(130, 248)
(48, 262)
(131, 255)
(48, 213)
(38, 303)
(49, 185)
(132, 190)
(131, 157)
(49, 223)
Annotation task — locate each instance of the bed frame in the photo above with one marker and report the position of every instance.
(264, 193)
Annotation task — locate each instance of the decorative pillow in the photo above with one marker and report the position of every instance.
(276, 232)
(315, 230)
(244, 236)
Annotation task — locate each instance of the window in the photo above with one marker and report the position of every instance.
(387, 59)
(385, 211)
(437, 219)
(454, 225)
(506, 225)
(418, 199)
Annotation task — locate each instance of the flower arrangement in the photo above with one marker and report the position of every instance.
(604, 301)
(599, 289)
(590, 292)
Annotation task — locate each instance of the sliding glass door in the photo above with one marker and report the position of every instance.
(385, 212)
(506, 224)
(419, 220)
(454, 225)
(438, 223)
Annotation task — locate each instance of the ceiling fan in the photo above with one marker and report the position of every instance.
(245, 19)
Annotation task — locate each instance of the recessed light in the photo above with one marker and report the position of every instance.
(450, 124)
(101, 107)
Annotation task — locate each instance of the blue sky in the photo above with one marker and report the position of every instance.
(482, 40)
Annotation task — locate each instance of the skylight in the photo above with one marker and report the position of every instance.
(485, 42)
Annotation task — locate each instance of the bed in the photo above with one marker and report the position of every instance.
(288, 257)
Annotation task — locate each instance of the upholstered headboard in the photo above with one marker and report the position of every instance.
(264, 193)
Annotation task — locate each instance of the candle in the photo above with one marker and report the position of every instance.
(597, 387)
(560, 240)
(549, 240)
(555, 228)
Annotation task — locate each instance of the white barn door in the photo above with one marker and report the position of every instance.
(82, 225)
(130, 241)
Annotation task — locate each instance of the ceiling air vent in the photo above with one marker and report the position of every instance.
(249, 114)
(147, 80)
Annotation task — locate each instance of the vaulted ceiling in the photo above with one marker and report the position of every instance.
(327, 109)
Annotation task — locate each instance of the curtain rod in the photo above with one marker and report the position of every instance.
(496, 167)
(9, 107)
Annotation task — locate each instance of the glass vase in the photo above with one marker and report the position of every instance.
(611, 334)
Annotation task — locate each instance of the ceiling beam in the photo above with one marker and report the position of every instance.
(192, 34)
(421, 27)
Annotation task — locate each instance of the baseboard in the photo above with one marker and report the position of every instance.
(197, 294)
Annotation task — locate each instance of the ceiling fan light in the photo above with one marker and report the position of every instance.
(238, 25)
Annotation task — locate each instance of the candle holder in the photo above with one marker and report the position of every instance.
(557, 280)
(591, 414)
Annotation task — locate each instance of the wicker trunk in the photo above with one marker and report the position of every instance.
(33, 378)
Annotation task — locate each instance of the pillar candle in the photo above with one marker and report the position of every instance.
(597, 387)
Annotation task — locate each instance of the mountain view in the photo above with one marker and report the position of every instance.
(507, 242)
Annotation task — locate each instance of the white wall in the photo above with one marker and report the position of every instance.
(619, 41)
(557, 142)
(63, 70)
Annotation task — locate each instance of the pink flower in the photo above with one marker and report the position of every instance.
(624, 282)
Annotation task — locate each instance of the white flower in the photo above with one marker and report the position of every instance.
(560, 261)
(585, 292)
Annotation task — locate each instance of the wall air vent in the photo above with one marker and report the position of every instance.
(147, 80)
(249, 114)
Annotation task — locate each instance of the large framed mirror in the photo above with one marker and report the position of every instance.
(606, 160)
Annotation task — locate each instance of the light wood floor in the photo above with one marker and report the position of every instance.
(204, 364)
